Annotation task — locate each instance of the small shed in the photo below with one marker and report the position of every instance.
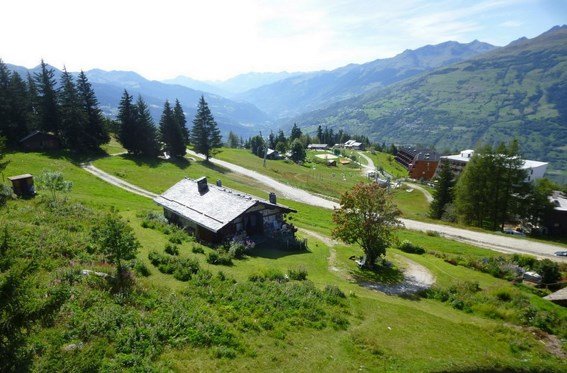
(331, 162)
(40, 141)
(23, 185)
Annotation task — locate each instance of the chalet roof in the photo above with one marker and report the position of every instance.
(19, 177)
(35, 133)
(214, 208)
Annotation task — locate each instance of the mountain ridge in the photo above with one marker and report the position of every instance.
(515, 91)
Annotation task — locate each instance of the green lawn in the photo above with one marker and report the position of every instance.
(388, 163)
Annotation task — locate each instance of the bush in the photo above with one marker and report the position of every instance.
(269, 275)
(197, 250)
(549, 271)
(181, 268)
(172, 249)
(237, 250)
(333, 291)
(142, 269)
(299, 274)
(216, 258)
(408, 247)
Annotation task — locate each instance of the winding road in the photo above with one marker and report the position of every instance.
(495, 242)
(490, 241)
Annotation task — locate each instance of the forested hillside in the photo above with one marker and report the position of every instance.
(315, 90)
(516, 91)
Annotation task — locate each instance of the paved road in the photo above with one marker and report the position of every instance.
(487, 240)
(370, 163)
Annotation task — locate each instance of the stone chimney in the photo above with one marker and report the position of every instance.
(273, 199)
(202, 185)
(219, 183)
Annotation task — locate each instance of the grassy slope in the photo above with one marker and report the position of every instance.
(385, 333)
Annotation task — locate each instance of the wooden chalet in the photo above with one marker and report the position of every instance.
(214, 213)
(40, 141)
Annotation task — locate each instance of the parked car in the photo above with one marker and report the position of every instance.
(561, 253)
(513, 232)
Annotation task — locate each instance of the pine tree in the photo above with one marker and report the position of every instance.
(171, 133)
(73, 118)
(281, 137)
(205, 135)
(233, 140)
(49, 116)
(295, 132)
(320, 134)
(127, 135)
(32, 103)
(5, 127)
(271, 141)
(145, 131)
(443, 193)
(96, 133)
(181, 122)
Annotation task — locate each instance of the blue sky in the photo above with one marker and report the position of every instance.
(214, 39)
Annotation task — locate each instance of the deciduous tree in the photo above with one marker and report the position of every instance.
(367, 216)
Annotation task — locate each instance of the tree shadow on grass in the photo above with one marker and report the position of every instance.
(214, 167)
(381, 273)
(154, 162)
(273, 250)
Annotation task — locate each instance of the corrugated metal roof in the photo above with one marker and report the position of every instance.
(213, 209)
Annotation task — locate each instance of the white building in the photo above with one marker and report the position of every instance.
(534, 169)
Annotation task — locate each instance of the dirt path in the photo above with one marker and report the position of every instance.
(416, 276)
(425, 192)
(486, 240)
(116, 181)
(370, 166)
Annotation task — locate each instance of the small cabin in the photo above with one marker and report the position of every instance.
(40, 141)
(215, 214)
(23, 185)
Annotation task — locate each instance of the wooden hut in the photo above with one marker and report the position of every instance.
(22, 185)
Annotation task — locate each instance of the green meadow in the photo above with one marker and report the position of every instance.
(221, 319)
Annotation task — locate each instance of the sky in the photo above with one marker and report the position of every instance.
(215, 40)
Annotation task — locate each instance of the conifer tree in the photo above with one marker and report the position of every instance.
(49, 116)
(73, 118)
(181, 122)
(32, 103)
(4, 99)
(205, 135)
(96, 133)
(127, 135)
(443, 193)
(171, 133)
(295, 132)
(233, 140)
(145, 131)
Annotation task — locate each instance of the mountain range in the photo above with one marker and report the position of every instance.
(515, 91)
(240, 117)
(450, 95)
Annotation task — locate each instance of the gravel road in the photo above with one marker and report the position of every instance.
(496, 242)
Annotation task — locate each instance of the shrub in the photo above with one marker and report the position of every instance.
(433, 233)
(549, 271)
(141, 269)
(181, 268)
(197, 250)
(216, 258)
(333, 291)
(171, 249)
(408, 247)
(237, 250)
(268, 275)
(299, 274)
